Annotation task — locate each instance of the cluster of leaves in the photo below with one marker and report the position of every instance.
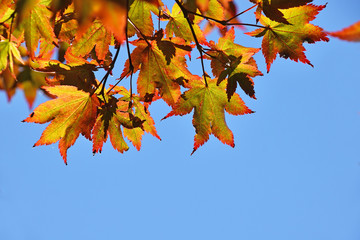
(56, 46)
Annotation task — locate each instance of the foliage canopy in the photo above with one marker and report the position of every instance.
(56, 46)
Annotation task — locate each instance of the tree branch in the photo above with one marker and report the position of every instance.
(227, 22)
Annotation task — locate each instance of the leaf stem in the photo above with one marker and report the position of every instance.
(137, 30)
(120, 79)
(198, 46)
(159, 19)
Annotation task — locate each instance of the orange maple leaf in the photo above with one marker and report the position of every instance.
(94, 36)
(138, 113)
(107, 124)
(117, 113)
(111, 13)
(287, 39)
(351, 33)
(71, 113)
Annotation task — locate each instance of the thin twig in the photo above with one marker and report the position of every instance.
(245, 24)
(241, 13)
(11, 25)
(104, 79)
(227, 22)
(131, 66)
(120, 79)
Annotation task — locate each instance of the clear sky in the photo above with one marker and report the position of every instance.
(294, 173)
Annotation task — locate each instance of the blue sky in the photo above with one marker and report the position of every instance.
(293, 174)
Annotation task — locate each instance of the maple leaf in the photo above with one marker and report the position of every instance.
(8, 53)
(76, 74)
(212, 9)
(60, 5)
(179, 26)
(271, 8)
(221, 10)
(71, 113)
(67, 29)
(287, 39)
(140, 15)
(135, 134)
(234, 61)
(36, 25)
(106, 125)
(116, 113)
(79, 33)
(111, 13)
(8, 83)
(95, 36)
(161, 63)
(5, 6)
(209, 104)
(351, 33)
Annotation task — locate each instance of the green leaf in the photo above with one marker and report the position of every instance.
(95, 36)
(140, 15)
(179, 26)
(9, 52)
(37, 25)
(287, 39)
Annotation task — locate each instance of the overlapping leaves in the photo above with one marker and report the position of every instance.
(271, 8)
(287, 39)
(209, 104)
(58, 45)
(76, 112)
(161, 63)
(234, 62)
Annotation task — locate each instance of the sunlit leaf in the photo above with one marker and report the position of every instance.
(161, 64)
(287, 39)
(271, 8)
(37, 25)
(179, 26)
(235, 62)
(71, 113)
(209, 104)
(140, 15)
